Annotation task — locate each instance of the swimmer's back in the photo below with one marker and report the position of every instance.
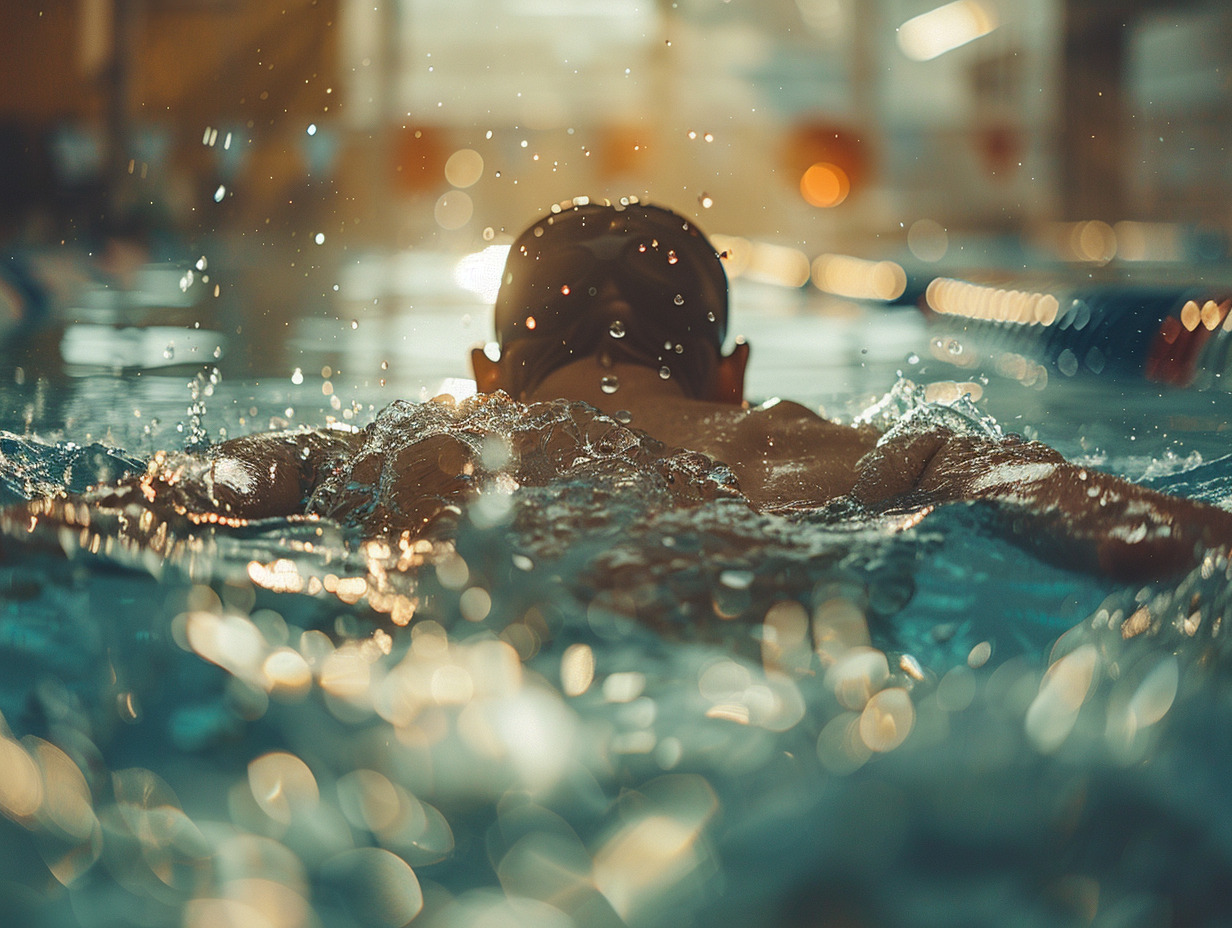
(782, 453)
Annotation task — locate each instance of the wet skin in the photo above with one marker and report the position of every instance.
(782, 453)
(785, 458)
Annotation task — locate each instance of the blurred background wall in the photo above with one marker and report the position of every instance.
(822, 124)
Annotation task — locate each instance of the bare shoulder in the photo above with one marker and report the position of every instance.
(791, 422)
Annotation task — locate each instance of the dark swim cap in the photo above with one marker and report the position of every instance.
(661, 264)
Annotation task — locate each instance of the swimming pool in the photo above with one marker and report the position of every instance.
(283, 726)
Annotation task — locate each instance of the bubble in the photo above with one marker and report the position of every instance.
(678, 299)
(617, 329)
(665, 373)
(609, 384)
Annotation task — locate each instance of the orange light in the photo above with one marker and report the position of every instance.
(530, 322)
(825, 185)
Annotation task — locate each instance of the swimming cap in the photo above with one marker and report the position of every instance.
(664, 268)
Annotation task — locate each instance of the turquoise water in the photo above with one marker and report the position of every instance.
(586, 708)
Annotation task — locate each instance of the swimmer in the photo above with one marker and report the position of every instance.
(624, 308)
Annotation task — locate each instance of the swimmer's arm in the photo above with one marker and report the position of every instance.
(1066, 513)
(252, 477)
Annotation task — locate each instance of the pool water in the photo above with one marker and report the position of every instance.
(586, 710)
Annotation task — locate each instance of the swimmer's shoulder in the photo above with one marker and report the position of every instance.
(791, 420)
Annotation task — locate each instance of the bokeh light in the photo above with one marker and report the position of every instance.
(824, 185)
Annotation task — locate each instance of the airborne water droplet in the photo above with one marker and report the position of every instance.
(665, 373)
(623, 416)
(679, 299)
(169, 351)
(617, 329)
(609, 384)
(710, 317)
(913, 358)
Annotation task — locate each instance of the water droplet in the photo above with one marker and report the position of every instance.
(169, 351)
(297, 377)
(913, 358)
(218, 351)
(220, 193)
(201, 263)
(623, 416)
(617, 329)
(665, 373)
(710, 317)
(679, 349)
(609, 384)
(354, 323)
(312, 128)
(642, 247)
(384, 365)
(679, 298)
(671, 257)
(488, 234)
(706, 201)
(319, 238)
(564, 290)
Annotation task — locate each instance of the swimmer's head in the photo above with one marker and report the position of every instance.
(630, 282)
